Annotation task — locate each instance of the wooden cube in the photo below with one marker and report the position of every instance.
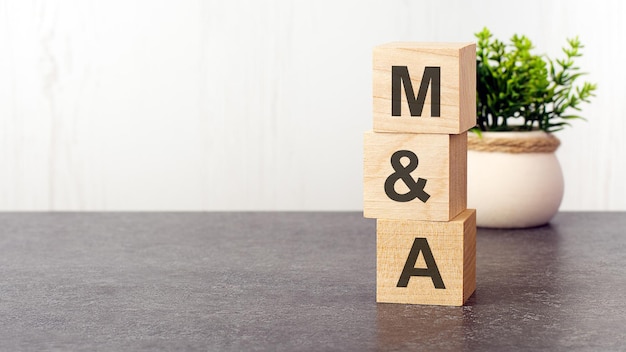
(425, 262)
(440, 195)
(424, 87)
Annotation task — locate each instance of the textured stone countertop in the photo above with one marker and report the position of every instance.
(295, 282)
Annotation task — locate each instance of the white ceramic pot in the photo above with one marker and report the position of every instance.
(513, 190)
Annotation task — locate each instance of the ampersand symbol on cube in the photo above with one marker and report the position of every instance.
(416, 188)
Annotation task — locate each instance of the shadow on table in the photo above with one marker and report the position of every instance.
(409, 327)
(512, 264)
(518, 285)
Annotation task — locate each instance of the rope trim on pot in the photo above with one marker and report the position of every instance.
(547, 144)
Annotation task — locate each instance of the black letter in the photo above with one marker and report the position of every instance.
(420, 244)
(416, 104)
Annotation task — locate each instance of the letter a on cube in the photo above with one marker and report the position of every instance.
(426, 262)
(424, 87)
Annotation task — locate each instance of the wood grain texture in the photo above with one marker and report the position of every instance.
(457, 62)
(442, 162)
(453, 246)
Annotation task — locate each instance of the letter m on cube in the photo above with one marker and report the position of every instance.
(424, 87)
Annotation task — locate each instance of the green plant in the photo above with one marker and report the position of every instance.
(534, 91)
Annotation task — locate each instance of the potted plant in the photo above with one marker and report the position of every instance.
(514, 177)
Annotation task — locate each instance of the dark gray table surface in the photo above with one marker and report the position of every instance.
(295, 282)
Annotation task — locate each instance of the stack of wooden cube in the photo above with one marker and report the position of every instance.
(415, 167)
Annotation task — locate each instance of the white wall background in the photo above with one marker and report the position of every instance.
(253, 105)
